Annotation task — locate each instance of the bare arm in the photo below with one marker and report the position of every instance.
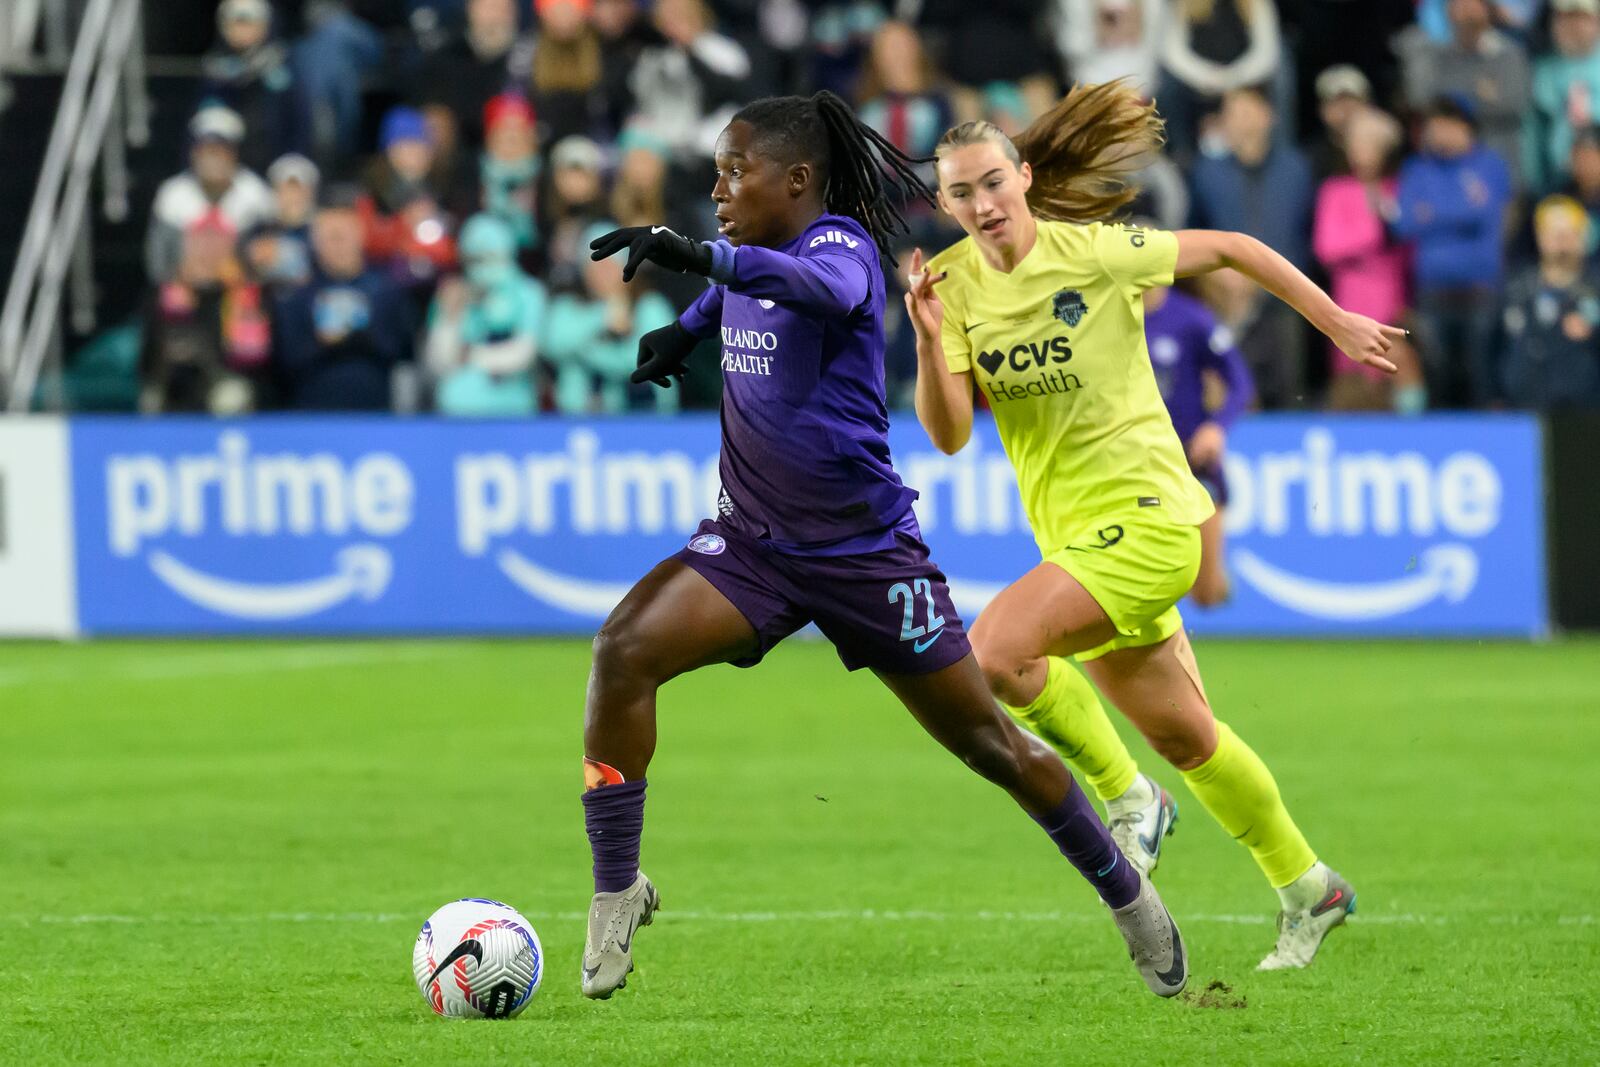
(943, 397)
(1362, 339)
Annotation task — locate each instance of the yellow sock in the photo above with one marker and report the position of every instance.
(1067, 714)
(1239, 792)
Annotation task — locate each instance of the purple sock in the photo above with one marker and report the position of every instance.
(614, 817)
(1084, 840)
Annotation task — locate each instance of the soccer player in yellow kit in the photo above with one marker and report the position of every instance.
(1038, 309)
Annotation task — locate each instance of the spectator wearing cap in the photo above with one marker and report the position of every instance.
(1342, 93)
(1367, 268)
(1566, 92)
(1102, 40)
(214, 181)
(575, 203)
(566, 82)
(206, 341)
(339, 337)
(408, 232)
(491, 56)
(509, 167)
(1451, 204)
(1261, 187)
(1210, 48)
(638, 189)
(251, 73)
(592, 341)
(1479, 62)
(484, 328)
(278, 251)
(1550, 319)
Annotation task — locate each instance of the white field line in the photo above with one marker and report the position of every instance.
(867, 915)
(163, 667)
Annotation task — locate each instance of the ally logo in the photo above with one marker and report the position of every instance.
(227, 501)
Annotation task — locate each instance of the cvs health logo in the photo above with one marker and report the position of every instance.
(258, 536)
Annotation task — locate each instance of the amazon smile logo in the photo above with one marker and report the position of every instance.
(1360, 496)
(155, 504)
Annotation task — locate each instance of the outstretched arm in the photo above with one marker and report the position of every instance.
(823, 283)
(1362, 339)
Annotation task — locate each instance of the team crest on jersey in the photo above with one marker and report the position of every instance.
(707, 544)
(1068, 306)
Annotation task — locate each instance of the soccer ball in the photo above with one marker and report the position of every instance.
(477, 959)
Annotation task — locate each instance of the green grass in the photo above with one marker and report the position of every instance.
(221, 853)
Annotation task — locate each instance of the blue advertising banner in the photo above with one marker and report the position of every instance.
(288, 525)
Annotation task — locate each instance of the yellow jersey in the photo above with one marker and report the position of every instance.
(1057, 346)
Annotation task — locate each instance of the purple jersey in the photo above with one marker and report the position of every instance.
(1184, 340)
(805, 448)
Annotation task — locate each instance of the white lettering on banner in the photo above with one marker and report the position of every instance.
(38, 579)
(1351, 494)
(245, 494)
(977, 488)
(498, 495)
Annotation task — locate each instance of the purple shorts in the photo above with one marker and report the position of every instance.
(889, 610)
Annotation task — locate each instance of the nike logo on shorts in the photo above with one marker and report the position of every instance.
(926, 643)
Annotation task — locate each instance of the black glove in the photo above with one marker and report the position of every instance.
(658, 244)
(661, 355)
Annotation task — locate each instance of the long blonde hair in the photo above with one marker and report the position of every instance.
(1082, 151)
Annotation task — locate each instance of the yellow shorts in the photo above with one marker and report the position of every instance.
(1137, 567)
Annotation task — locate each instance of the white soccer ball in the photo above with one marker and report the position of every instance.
(477, 959)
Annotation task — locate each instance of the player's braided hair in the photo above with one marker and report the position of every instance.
(863, 175)
(1082, 150)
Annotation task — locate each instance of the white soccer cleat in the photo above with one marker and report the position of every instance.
(1300, 931)
(1140, 819)
(1154, 943)
(613, 920)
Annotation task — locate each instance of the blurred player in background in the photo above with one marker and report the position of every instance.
(813, 523)
(1044, 315)
(1195, 359)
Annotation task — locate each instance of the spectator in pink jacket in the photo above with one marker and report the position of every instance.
(1366, 267)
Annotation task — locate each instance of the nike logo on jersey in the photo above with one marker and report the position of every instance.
(834, 237)
(973, 326)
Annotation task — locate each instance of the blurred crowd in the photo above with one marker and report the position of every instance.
(387, 204)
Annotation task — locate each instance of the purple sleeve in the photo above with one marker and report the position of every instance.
(704, 315)
(1222, 355)
(826, 284)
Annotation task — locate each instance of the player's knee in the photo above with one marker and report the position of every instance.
(1002, 668)
(621, 654)
(1184, 746)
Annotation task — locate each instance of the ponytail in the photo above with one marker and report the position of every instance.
(1082, 150)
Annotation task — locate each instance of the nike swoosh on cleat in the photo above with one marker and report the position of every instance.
(1152, 844)
(923, 646)
(590, 972)
(1329, 903)
(1174, 974)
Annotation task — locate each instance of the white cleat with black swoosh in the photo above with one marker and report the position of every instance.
(1154, 943)
(1140, 819)
(613, 920)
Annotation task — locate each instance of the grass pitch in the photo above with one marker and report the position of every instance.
(221, 853)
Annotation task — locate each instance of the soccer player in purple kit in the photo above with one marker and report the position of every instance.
(1186, 341)
(813, 524)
